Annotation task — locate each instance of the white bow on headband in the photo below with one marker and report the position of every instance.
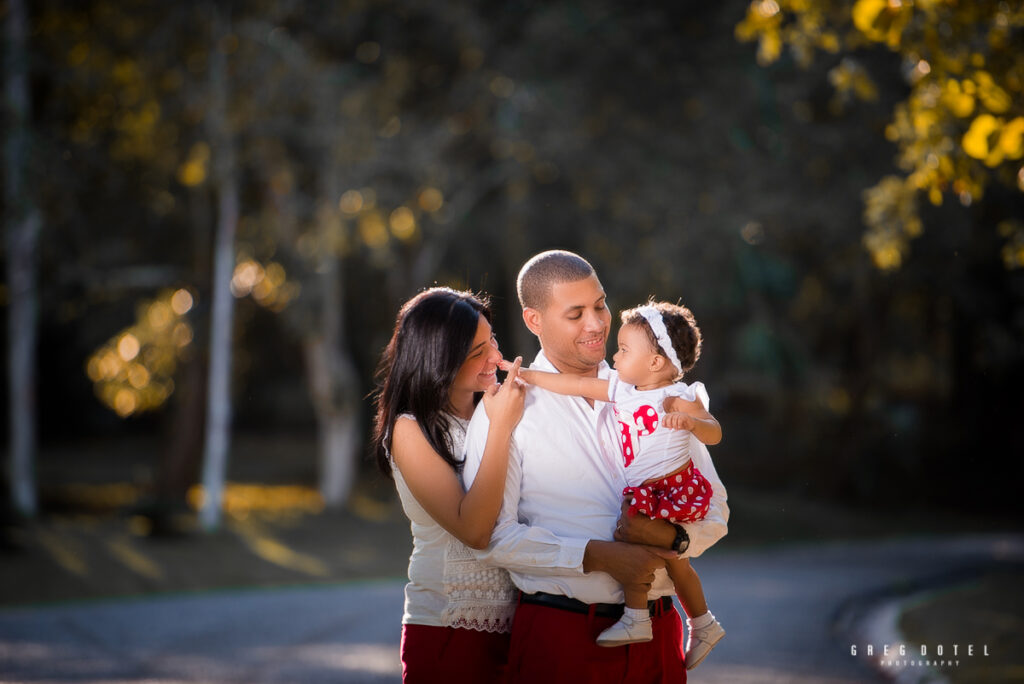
(657, 323)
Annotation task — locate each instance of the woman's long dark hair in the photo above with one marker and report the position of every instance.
(432, 337)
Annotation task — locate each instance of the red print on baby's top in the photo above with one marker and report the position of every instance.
(627, 443)
(646, 419)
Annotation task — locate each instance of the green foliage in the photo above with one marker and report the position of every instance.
(960, 128)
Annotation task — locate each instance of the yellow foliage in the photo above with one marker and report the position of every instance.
(851, 80)
(268, 284)
(133, 371)
(762, 24)
(866, 13)
(1013, 250)
(981, 139)
(192, 173)
(962, 122)
(891, 213)
(1011, 140)
(431, 199)
(372, 229)
(770, 47)
(193, 170)
(957, 99)
(403, 223)
(882, 20)
(995, 99)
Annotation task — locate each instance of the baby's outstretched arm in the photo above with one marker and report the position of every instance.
(691, 415)
(564, 383)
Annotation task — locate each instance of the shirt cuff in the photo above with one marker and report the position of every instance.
(571, 554)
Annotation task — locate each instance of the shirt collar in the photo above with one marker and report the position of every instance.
(541, 362)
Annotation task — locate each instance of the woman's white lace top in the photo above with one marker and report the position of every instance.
(447, 585)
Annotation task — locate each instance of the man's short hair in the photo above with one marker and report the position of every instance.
(543, 271)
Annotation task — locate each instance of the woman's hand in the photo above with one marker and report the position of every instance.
(504, 403)
(522, 374)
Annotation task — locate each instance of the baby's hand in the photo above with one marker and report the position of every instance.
(522, 375)
(678, 421)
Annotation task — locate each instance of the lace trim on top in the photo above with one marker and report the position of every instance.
(480, 596)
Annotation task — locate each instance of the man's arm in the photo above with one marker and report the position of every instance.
(534, 550)
(516, 546)
(715, 525)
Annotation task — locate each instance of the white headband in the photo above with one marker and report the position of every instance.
(657, 323)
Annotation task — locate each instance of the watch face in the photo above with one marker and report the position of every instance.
(682, 540)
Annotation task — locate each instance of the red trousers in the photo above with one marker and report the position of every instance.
(559, 646)
(446, 655)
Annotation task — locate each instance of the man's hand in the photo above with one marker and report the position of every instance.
(629, 564)
(639, 529)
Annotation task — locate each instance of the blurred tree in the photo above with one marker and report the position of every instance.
(21, 229)
(382, 147)
(961, 126)
(226, 181)
(120, 106)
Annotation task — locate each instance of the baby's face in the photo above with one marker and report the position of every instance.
(634, 355)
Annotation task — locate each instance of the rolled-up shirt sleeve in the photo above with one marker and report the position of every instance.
(515, 545)
(704, 533)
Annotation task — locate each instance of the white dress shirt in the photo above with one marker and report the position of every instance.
(564, 488)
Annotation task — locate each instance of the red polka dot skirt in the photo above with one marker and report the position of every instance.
(682, 497)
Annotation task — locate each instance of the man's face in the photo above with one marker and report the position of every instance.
(573, 327)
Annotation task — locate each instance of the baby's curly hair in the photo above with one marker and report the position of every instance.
(682, 330)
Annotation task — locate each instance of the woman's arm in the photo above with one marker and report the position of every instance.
(467, 515)
(566, 383)
(692, 416)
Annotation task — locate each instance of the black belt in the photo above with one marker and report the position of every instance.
(614, 610)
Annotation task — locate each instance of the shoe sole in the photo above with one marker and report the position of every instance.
(623, 642)
(711, 646)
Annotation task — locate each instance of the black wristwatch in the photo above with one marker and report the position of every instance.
(682, 541)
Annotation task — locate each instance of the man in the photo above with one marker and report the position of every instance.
(562, 503)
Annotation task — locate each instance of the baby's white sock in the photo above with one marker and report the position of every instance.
(701, 621)
(638, 614)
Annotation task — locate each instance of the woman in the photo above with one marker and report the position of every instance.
(441, 360)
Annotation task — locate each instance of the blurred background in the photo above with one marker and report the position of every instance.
(212, 213)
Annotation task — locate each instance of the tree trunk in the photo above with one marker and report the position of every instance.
(218, 425)
(331, 372)
(181, 457)
(22, 237)
(332, 384)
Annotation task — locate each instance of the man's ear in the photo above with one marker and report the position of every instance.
(531, 317)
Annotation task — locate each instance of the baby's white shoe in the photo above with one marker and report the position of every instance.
(626, 631)
(700, 642)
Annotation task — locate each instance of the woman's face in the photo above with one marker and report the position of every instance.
(478, 371)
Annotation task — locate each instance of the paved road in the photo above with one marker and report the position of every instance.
(791, 614)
